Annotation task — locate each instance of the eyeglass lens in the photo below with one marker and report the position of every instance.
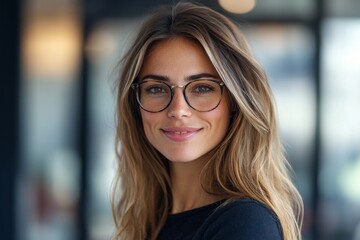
(201, 95)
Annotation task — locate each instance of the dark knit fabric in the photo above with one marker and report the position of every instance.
(242, 219)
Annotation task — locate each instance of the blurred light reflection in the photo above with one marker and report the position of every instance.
(51, 45)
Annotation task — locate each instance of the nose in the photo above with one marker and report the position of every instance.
(178, 107)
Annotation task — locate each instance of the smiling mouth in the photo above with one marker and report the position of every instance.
(181, 132)
(180, 135)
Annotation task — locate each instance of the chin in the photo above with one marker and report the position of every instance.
(182, 158)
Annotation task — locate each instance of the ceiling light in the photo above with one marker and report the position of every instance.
(237, 6)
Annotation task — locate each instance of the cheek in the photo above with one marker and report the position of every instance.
(223, 113)
(222, 123)
(149, 121)
(146, 119)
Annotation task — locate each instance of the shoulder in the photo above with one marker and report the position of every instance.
(242, 219)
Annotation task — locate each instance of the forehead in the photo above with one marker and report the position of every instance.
(177, 57)
(174, 42)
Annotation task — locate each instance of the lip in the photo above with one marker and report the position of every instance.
(180, 134)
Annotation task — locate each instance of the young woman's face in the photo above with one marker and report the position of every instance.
(179, 132)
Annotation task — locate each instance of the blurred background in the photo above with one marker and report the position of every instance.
(59, 60)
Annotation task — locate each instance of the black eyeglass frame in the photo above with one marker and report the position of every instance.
(135, 87)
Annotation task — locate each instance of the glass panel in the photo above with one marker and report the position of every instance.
(49, 171)
(106, 43)
(340, 118)
(344, 8)
(48, 175)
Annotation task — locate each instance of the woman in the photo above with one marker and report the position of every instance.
(199, 155)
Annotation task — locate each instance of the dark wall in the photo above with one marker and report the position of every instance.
(9, 95)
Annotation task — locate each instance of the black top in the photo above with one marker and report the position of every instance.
(242, 219)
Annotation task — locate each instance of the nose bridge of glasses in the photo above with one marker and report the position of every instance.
(178, 99)
(181, 88)
(178, 86)
(181, 92)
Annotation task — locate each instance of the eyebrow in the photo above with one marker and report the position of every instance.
(200, 76)
(188, 78)
(156, 77)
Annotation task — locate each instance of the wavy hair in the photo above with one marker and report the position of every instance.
(249, 162)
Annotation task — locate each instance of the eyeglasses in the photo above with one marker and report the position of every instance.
(202, 95)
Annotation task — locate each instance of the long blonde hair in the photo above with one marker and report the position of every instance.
(249, 163)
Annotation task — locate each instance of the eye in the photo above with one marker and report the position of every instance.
(154, 89)
(202, 88)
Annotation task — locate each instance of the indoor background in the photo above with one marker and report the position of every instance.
(59, 60)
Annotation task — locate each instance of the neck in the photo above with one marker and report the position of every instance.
(187, 191)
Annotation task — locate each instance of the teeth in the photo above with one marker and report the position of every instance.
(180, 132)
